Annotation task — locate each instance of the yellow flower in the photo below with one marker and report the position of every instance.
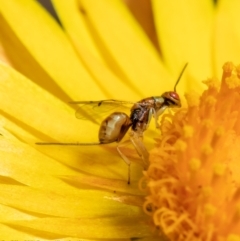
(193, 177)
(72, 193)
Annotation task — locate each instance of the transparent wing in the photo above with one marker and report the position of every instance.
(97, 109)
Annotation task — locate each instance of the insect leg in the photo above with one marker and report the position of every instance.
(136, 140)
(126, 160)
(157, 114)
(155, 117)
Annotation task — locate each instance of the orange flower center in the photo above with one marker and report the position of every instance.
(194, 173)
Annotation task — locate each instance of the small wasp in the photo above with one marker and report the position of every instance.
(114, 127)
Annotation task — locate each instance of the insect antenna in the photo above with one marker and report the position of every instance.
(68, 143)
(180, 76)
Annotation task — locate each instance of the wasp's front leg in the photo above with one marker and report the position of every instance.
(157, 114)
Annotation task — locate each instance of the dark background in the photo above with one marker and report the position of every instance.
(48, 5)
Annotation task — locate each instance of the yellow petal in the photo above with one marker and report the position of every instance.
(9, 213)
(70, 14)
(3, 56)
(185, 35)
(38, 109)
(40, 42)
(8, 233)
(226, 45)
(40, 171)
(79, 33)
(125, 47)
(49, 119)
(96, 228)
(35, 169)
(105, 183)
(82, 204)
(110, 84)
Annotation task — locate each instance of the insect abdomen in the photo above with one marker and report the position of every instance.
(114, 127)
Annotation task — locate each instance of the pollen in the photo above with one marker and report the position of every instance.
(238, 70)
(194, 188)
(188, 131)
(206, 150)
(194, 164)
(219, 131)
(233, 237)
(228, 67)
(210, 100)
(207, 123)
(209, 210)
(233, 82)
(211, 83)
(207, 192)
(219, 169)
(181, 145)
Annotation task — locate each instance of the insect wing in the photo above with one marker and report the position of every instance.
(96, 110)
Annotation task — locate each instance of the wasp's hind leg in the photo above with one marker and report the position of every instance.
(136, 141)
(126, 160)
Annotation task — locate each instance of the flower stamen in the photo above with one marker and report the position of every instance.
(193, 186)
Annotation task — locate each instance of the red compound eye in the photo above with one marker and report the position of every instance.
(174, 95)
